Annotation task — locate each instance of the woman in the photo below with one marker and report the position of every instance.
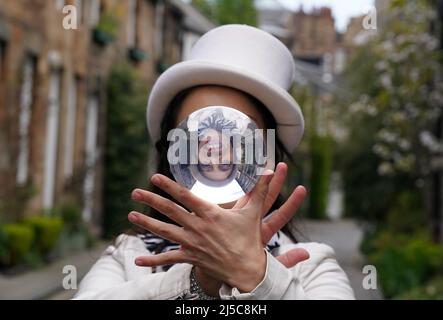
(193, 249)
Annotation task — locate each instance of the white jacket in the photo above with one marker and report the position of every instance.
(115, 276)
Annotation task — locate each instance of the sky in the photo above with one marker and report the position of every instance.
(342, 10)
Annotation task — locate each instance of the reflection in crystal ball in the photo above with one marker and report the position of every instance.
(218, 153)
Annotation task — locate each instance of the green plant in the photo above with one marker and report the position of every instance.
(108, 24)
(47, 231)
(88, 236)
(236, 11)
(33, 259)
(126, 135)
(14, 200)
(161, 66)
(205, 7)
(368, 242)
(432, 290)
(137, 54)
(321, 158)
(405, 261)
(3, 246)
(389, 108)
(228, 11)
(71, 215)
(406, 215)
(18, 239)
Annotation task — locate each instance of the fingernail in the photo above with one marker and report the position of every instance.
(138, 262)
(136, 195)
(155, 179)
(133, 217)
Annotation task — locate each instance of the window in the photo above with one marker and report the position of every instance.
(25, 110)
(132, 23)
(91, 154)
(79, 6)
(52, 124)
(59, 4)
(71, 122)
(159, 27)
(94, 12)
(3, 155)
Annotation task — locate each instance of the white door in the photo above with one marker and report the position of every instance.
(26, 95)
(71, 116)
(132, 24)
(52, 124)
(91, 155)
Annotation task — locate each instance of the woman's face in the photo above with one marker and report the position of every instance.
(215, 155)
(211, 95)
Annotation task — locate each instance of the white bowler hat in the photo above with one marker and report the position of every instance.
(240, 57)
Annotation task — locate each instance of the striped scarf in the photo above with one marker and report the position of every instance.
(157, 245)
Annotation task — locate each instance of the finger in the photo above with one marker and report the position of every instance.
(165, 230)
(258, 194)
(274, 189)
(280, 217)
(292, 257)
(275, 185)
(165, 206)
(170, 257)
(182, 195)
(241, 202)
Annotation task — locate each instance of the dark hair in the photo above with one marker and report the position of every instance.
(161, 146)
(217, 122)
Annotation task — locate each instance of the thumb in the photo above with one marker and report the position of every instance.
(258, 194)
(292, 257)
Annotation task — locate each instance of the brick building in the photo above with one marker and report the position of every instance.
(52, 92)
(313, 34)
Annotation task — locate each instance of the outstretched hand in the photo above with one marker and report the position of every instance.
(225, 243)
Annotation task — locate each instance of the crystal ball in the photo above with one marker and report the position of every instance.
(219, 153)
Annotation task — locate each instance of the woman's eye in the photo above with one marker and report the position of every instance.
(205, 167)
(225, 167)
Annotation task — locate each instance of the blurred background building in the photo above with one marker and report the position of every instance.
(53, 99)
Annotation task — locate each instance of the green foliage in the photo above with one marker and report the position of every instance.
(18, 241)
(3, 246)
(126, 145)
(205, 7)
(108, 24)
(355, 157)
(406, 214)
(33, 259)
(394, 87)
(236, 11)
(362, 184)
(14, 200)
(71, 215)
(401, 89)
(432, 290)
(404, 262)
(321, 158)
(47, 232)
(36, 239)
(88, 237)
(228, 11)
(403, 253)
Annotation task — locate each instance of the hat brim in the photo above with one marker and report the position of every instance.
(187, 74)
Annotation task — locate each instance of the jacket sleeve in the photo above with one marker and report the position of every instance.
(319, 277)
(108, 278)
